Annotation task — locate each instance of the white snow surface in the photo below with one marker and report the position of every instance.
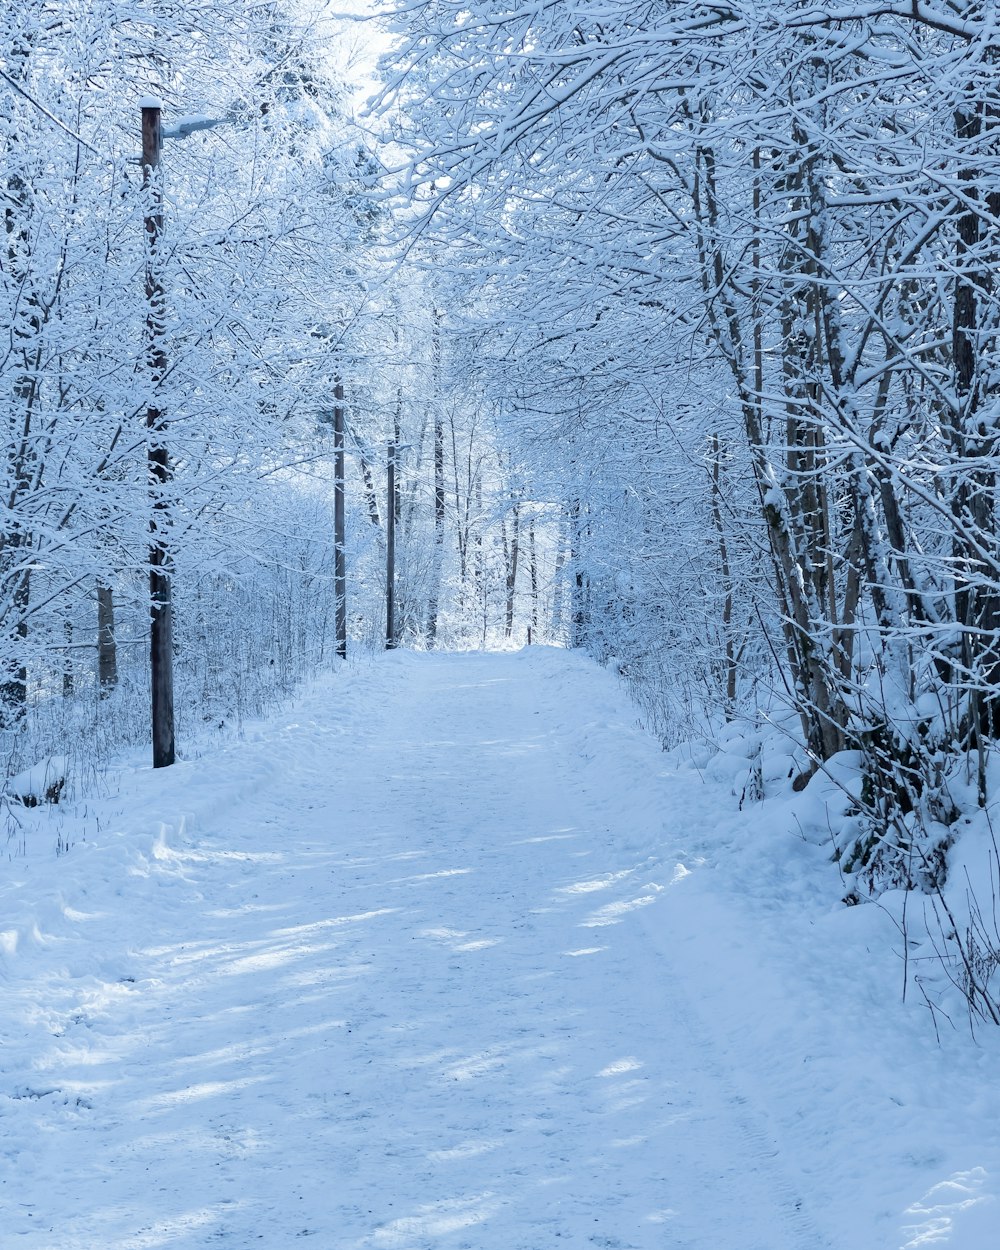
(452, 956)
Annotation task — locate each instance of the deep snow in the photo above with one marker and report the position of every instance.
(452, 955)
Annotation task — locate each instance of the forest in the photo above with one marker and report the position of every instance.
(674, 325)
(500, 624)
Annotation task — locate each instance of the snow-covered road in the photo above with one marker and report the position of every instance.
(400, 977)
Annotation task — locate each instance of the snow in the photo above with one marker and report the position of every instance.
(190, 123)
(452, 955)
(40, 783)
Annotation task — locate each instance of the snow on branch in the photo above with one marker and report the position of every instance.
(185, 126)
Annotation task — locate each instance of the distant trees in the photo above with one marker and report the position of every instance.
(262, 273)
(201, 403)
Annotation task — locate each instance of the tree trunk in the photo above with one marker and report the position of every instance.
(339, 536)
(437, 562)
(974, 440)
(391, 512)
(533, 571)
(107, 651)
(512, 557)
(579, 617)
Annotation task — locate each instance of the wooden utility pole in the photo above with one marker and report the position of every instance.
(339, 535)
(390, 552)
(158, 462)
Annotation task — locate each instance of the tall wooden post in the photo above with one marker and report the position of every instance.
(339, 534)
(390, 552)
(158, 462)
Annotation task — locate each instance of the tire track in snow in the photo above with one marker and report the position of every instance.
(725, 1123)
(401, 998)
(756, 1143)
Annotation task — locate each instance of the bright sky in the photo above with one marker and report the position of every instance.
(363, 43)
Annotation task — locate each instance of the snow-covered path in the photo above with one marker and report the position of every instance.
(393, 985)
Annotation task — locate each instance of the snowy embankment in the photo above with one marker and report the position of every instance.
(452, 956)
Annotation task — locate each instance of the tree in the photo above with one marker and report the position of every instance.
(793, 213)
(261, 223)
